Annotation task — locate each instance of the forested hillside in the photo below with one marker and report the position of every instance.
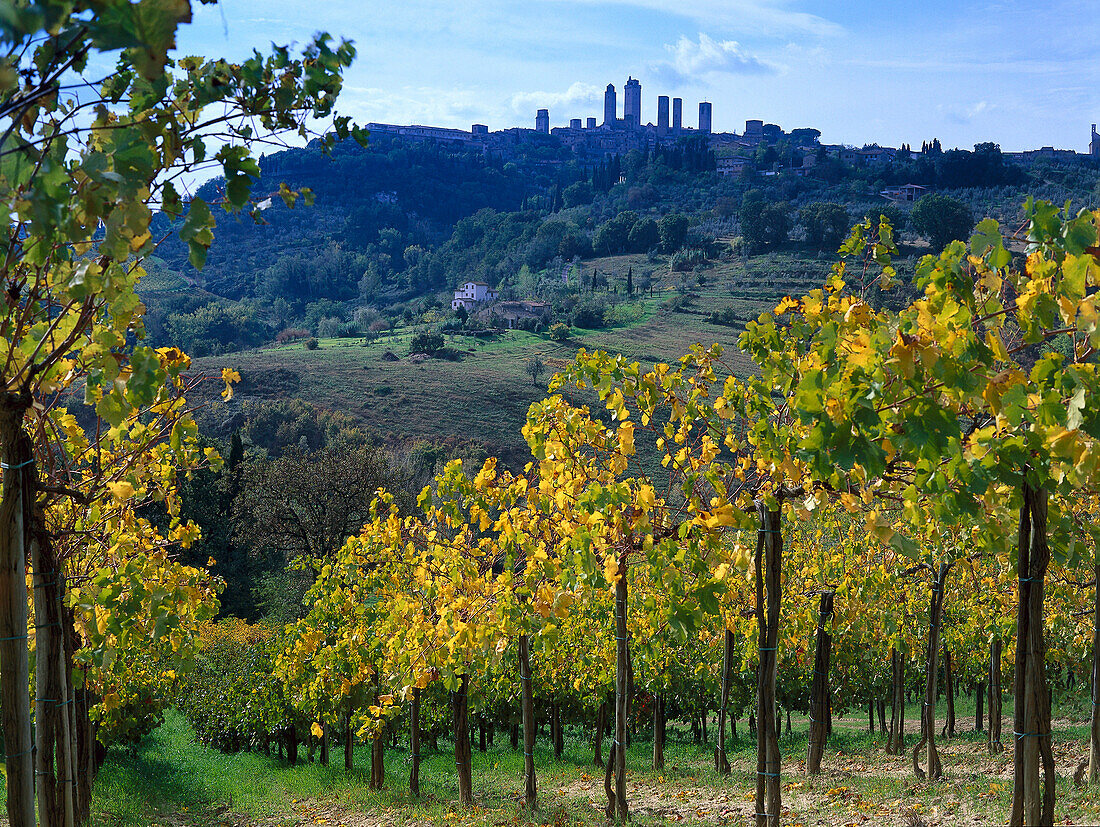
(370, 206)
(396, 225)
(649, 240)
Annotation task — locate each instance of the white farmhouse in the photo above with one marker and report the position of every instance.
(471, 294)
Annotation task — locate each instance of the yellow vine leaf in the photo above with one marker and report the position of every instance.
(229, 376)
(121, 490)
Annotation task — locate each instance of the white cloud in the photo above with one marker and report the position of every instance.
(691, 61)
(764, 17)
(577, 95)
(977, 109)
(412, 105)
(963, 115)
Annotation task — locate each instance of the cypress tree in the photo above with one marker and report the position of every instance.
(236, 450)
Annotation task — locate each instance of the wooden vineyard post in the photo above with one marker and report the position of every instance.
(18, 471)
(993, 731)
(721, 761)
(414, 742)
(1094, 718)
(527, 707)
(1031, 696)
(933, 770)
(769, 557)
(463, 754)
(819, 686)
(896, 741)
(622, 691)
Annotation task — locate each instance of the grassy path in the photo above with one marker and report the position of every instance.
(170, 780)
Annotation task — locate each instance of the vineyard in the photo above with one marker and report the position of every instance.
(895, 495)
(897, 490)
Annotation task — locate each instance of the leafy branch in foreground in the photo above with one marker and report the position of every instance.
(86, 156)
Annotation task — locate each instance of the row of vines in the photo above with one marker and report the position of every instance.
(892, 485)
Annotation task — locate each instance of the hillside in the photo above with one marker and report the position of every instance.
(381, 199)
(483, 398)
(393, 228)
(396, 227)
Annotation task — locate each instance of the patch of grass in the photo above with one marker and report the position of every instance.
(170, 774)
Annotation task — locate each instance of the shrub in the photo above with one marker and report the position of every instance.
(427, 342)
(312, 343)
(534, 367)
(941, 219)
(643, 236)
(528, 323)
(590, 313)
(685, 260)
(559, 331)
(725, 316)
(673, 231)
(826, 224)
(574, 243)
(329, 327)
(232, 698)
(764, 224)
(612, 236)
(291, 334)
(366, 316)
(578, 194)
(625, 313)
(217, 327)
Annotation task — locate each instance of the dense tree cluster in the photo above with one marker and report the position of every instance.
(942, 219)
(764, 224)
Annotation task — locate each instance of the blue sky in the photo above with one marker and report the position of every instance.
(1023, 74)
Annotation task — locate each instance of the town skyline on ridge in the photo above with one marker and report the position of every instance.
(967, 72)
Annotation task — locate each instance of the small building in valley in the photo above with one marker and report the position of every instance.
(514, 314)
(906, 192)
(471, 294)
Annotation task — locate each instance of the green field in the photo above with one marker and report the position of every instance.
(170, 780)
(484, 397)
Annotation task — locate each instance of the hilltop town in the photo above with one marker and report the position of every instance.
(589, 140)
